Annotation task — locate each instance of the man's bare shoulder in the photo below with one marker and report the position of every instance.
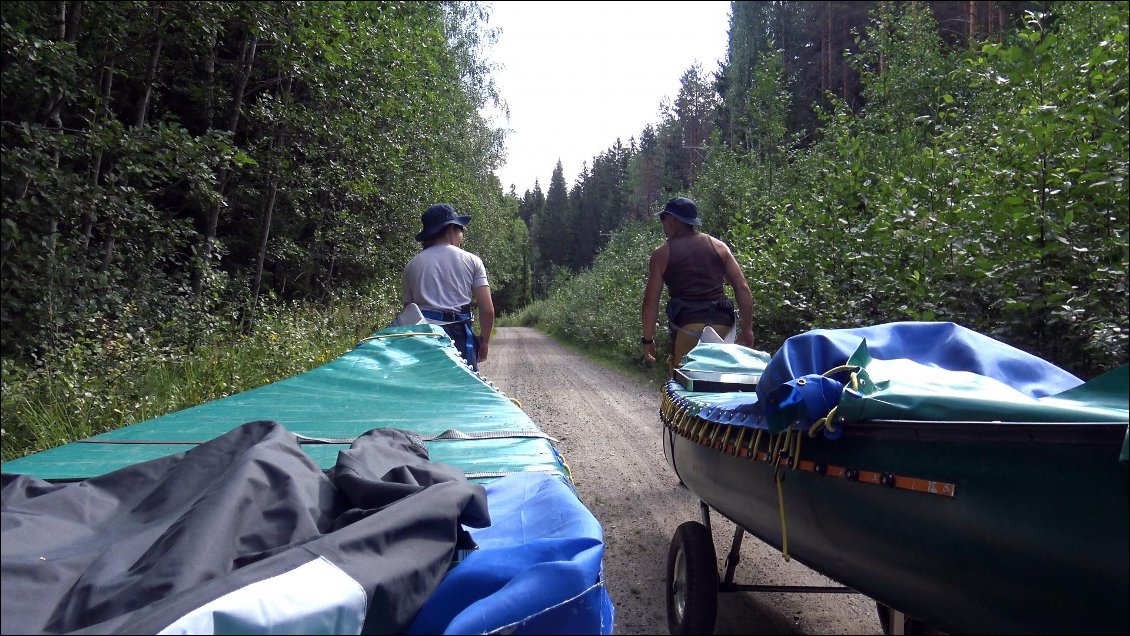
(719, 244)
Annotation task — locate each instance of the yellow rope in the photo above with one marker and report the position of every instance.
(402, 335)
(725, 435)
(774, 441)
(842, 367)
(825, 421)
(796, 451)
(567, 468)
(828, 421)
(831, 417)
(738, 444)
(846, 367)
(787, 445)
(781, 508)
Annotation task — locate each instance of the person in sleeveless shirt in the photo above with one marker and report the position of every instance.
(443, 279)
(694, 266)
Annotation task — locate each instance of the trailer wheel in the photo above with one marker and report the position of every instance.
(910, 626)
(692, 581)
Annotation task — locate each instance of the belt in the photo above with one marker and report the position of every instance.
(446, 316)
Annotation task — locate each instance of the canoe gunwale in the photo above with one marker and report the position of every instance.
(1050, 432)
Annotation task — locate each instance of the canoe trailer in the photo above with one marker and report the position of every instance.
(970, 487)
(693, 584)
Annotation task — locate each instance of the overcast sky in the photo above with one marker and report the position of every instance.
(579, 75)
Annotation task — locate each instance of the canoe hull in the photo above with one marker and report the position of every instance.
(1033, 539)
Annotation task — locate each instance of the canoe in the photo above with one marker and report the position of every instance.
(391, 490)
(965, 485)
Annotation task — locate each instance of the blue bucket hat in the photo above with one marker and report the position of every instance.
(683, 209)
(437, 217)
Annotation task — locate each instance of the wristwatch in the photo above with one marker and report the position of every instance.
(646, 341)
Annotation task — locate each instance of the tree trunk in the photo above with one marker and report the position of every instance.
(250, 45)
(68, 14)
(843, 63)
(826, 53)
(277, 144)
(210, 77)
(107, 254)
(882, 50)
(971, 21)
(264, 235)
(95, 172)
(68, 32)
(151, 71)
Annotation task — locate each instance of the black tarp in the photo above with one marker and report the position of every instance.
(230, 523)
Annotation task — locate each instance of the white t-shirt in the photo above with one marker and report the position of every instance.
(442, 278)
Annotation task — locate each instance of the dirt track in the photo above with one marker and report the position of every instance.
(609, 432)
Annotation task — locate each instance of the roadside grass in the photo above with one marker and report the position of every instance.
(87, 391)
(652, 374)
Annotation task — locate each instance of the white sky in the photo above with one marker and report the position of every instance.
(579, 75)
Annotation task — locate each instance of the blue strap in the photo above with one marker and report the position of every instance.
(453, 318)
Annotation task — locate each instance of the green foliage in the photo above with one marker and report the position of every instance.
(111, 380)
(985, 187)
(599, 308)
(982, 181)
(166, 159)
(174, 171)
(553, 230)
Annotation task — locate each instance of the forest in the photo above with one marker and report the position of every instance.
(200, 197)
(870, 162)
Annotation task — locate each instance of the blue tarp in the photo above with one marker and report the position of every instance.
(923, 371)
(944, 345)
(537, 569)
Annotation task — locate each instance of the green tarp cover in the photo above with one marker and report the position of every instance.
(725, 358)
(410, 378)
(904, 389)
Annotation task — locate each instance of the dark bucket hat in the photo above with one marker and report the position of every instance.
(683, 209)
(437, 217)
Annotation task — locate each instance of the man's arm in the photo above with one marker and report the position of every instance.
(486, 318)
(744, 298)
(406, 288)
(649, 312)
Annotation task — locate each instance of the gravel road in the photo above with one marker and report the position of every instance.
(608, 430)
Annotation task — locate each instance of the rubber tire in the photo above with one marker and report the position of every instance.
(911, 627)
(692, 552)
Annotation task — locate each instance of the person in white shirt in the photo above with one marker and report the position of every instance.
(443, 280)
